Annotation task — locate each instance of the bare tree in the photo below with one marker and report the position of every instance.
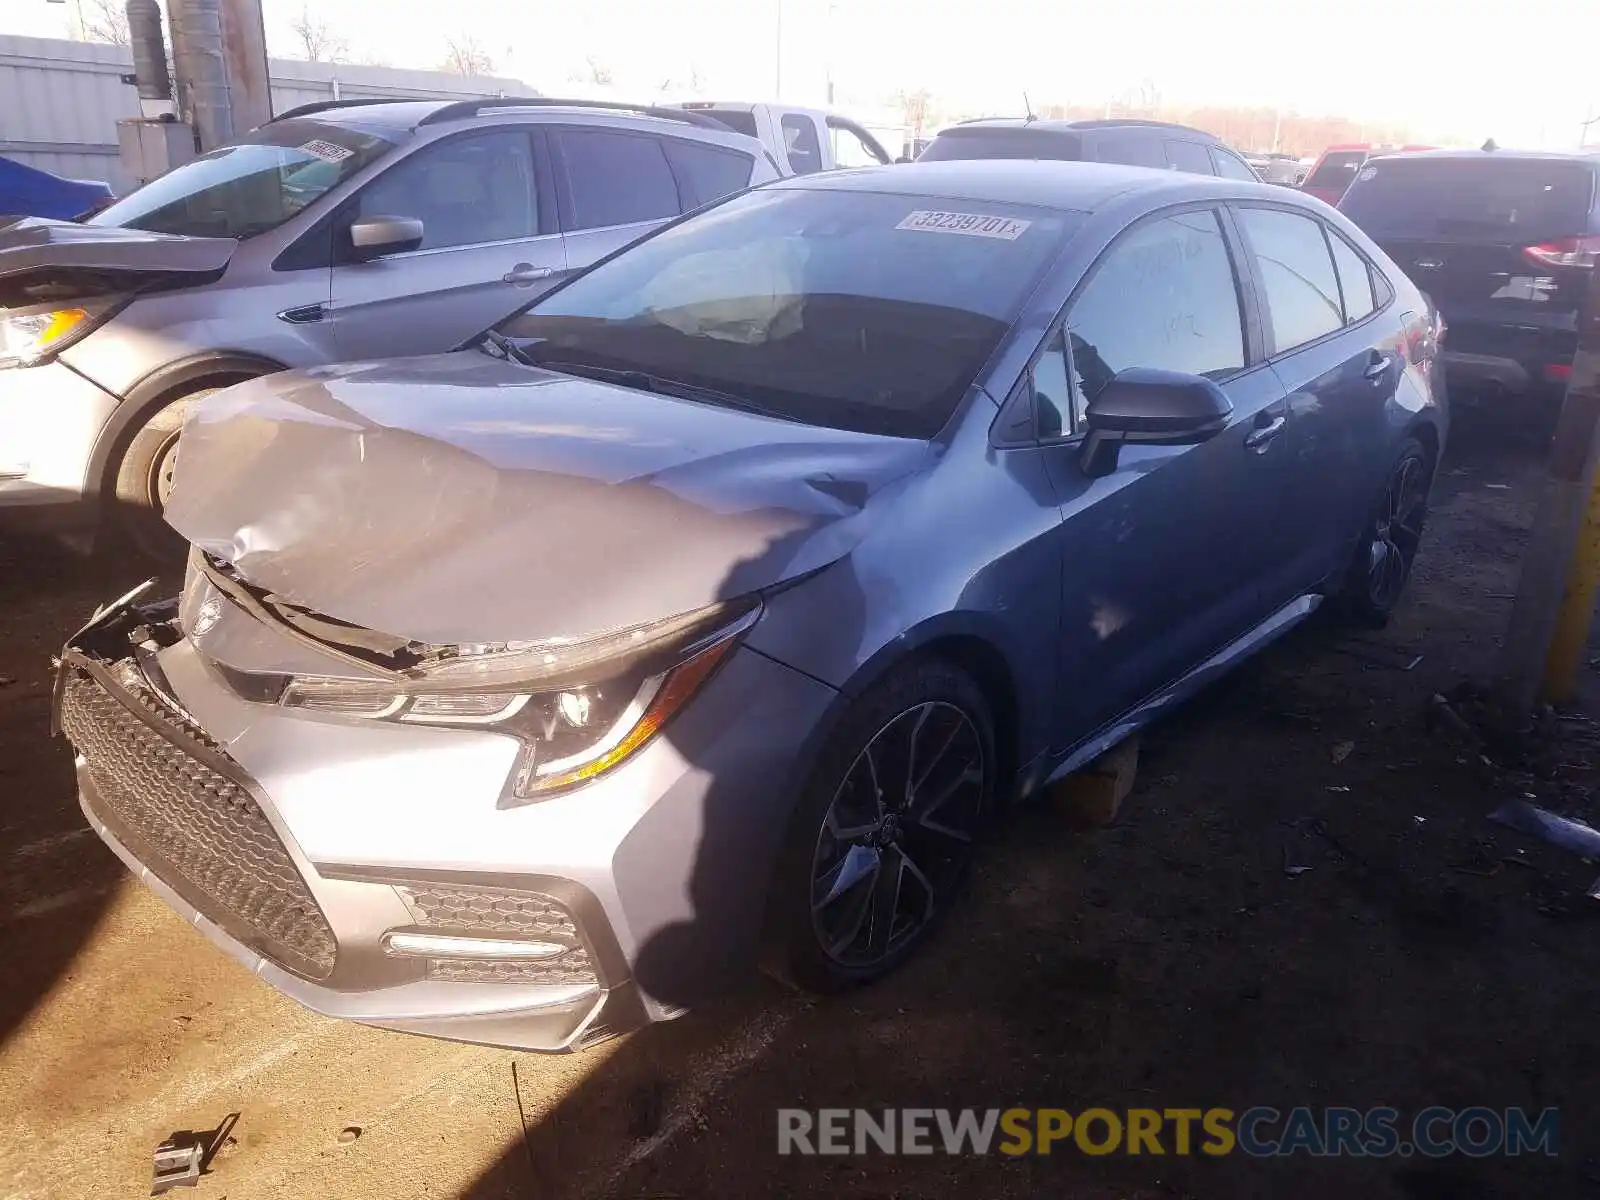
(599, 71)
(317, 40)
(463, 56)
(104, 21)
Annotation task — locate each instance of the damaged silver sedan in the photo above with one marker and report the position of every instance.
(702, 614)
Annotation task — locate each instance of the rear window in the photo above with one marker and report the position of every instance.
(1001, 143)
(1466, 199)
(739, 122)
(1336, 169)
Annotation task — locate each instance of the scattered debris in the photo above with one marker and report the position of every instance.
(349, 1134)
(177, 1162)
(1499, 487)
(1379, 653)
(7, 680)
(1419, 822)
(1580, 839)
(1338, 787)
(1342, 751)
(183, 1158)
(1292, 870)
(1441, 712)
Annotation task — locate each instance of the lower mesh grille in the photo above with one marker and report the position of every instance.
(500, 912)
(182, 808)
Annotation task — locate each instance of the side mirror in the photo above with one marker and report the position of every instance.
(373, 237)
(1152, 407)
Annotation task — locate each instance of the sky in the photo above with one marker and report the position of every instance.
(1442, 66)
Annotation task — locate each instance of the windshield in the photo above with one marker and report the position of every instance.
(1520, 200)
(855, 310)
(249, 187)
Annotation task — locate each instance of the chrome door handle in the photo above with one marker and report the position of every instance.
(1378, 368)
(1262, 434)
(526, 273)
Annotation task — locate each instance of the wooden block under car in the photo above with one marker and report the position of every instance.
(1095, 794)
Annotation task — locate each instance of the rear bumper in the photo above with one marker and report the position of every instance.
(1506, 359)
(50, 418)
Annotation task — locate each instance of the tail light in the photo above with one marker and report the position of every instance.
(1565, 252)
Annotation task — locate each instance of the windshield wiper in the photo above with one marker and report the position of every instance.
(507, 348)
(644, 381)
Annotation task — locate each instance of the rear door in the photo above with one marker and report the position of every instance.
(1335, 345)
(489, 246)
(615, 186)
(1503, 246)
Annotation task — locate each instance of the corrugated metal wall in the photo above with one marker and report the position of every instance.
(60, 101)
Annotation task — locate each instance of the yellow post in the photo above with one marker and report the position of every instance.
(1576, 614)
(1570, 632)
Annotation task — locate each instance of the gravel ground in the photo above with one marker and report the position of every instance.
(1167, 961)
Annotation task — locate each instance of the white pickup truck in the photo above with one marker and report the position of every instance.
(800, 140)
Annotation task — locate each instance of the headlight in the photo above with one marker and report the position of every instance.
(29, 336)
(578, 709)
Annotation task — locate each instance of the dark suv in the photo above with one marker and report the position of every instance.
(1136, 143)
(1504, 242)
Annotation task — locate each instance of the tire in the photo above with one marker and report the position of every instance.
(1378, 574)
(863, 879)
(144, 476)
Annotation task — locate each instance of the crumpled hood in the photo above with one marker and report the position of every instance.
(60, 259)
(460, 498)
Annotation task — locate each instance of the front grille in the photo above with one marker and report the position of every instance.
(181, 806)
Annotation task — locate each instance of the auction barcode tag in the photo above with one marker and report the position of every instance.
(973, 224)
(326, 151)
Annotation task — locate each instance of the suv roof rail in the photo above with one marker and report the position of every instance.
(471, 108)
(316, 106)
(1137, 122)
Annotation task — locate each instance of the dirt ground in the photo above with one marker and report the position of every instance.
(1426, 957)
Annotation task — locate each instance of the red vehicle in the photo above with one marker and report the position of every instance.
(1335, 171)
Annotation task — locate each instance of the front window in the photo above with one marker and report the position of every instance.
(251, 186)
(855, 310)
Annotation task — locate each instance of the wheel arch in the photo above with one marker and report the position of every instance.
(160, 387)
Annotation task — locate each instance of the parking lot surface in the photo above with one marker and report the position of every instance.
(1180, 958)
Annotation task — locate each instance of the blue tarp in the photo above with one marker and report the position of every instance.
(29, 192)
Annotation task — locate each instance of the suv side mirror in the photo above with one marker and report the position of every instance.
(373, 237)
(1153, 407)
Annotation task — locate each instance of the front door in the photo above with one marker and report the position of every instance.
(1163, 560)
(487, 248)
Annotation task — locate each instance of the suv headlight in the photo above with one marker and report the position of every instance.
(31, 335)
(579, 709)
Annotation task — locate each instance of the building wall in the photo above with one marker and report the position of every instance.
(60, 101)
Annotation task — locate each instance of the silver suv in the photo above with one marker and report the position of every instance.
(338, 231)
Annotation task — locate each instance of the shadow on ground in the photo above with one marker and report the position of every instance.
(1302, 904)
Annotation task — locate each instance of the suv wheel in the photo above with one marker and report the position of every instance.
(881, 840)
(144, 481)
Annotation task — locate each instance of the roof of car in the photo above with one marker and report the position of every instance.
(398, 116)
(1591, 157)
(1064, 186)
(1062, 127)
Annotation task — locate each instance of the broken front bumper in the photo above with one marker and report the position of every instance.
(372, 871)
(193, 826)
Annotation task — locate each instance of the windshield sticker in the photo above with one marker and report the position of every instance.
(971, 224)
(1366, 174)
(326, 151)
